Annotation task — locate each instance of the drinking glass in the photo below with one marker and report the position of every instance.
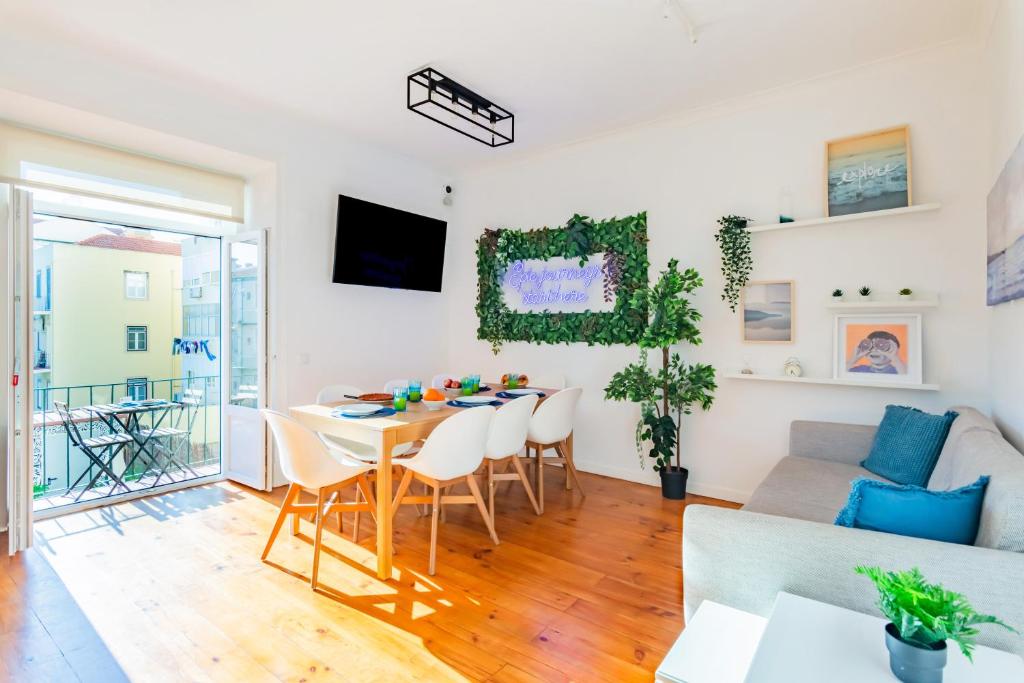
(415, 390)
(513, 380)
(401, 395)
(475, 379)
(467, 386)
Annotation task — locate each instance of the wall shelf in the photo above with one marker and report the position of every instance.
(838, 382)
(811, 222)
(885, 304)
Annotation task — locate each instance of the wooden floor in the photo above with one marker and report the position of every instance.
(170, 588)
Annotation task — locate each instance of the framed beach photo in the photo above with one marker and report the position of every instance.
(768, 312)
(882, 348)
(1005, 215)
(868, 172)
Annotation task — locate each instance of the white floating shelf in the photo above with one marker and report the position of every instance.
(810, 222)
(839, 382)
(885, 304)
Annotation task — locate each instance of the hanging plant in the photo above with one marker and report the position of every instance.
(611, 268)
(734, 241)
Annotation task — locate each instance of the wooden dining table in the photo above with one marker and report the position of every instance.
(384, 433)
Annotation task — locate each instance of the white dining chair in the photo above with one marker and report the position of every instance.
(505, 440)
(550, 426)
(308, 465)
(354, 452)
(438, 380)
(450, 455)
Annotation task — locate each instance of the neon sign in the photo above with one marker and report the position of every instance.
(555, 284)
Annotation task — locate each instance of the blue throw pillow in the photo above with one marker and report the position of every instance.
(950, 516)
(907, 444)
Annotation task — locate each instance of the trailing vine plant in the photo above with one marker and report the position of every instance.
(623, 241)
(734, 241)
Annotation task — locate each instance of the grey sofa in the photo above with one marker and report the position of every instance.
(784, 538)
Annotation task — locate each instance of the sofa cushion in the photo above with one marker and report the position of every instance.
(968, 419)
(949, 516)
(806, 488)
(907, 444)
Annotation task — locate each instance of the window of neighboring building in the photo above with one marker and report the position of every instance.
(138, 388)
(138, 338)
(136, 285)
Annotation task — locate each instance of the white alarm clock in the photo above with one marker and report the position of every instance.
(792, 367)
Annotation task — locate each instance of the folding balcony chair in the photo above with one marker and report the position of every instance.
(95, 448)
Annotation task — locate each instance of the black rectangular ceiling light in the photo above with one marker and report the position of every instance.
(431, 94)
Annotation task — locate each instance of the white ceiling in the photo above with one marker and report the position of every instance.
(568, 69)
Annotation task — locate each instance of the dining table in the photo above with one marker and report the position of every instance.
(383, 434)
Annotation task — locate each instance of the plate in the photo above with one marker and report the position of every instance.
(473, 400)
(359, 409)
(522, 392)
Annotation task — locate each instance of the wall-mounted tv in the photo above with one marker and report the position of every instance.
(378, 246)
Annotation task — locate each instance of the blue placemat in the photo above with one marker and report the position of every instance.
(383, 412)
(505, 394)
(456, 404)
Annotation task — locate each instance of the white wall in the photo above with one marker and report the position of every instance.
(736, 158)
(322, 333)
(1004, 66)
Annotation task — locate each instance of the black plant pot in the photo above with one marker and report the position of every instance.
(673, 482)
(912, 663)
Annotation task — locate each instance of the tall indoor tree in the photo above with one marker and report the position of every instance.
(667, 394)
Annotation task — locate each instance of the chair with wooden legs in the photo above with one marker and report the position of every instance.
(354, 452)
(309, 466)
(504, 442)
(450, 455)
(550, 426)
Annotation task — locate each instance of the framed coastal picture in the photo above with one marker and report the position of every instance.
(868, 172)
(768, 312)
(883, 348)
(1005, 216)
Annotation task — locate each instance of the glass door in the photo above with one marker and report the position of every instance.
(19, 370)
(244, 337)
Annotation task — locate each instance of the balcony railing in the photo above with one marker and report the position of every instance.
(58, 463)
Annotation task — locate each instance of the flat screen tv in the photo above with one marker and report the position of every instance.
(378, 246)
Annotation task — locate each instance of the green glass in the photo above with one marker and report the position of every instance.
(400, 396)
(513, 380)
(467, 386)
(475, 379)
(415, 390)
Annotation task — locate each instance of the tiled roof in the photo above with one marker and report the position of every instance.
(132, 244)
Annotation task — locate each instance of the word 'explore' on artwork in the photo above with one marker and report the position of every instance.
(556, 284)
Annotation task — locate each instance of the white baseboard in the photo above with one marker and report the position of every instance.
(649, 478)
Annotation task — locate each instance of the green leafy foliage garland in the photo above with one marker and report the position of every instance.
(734, 241)
(624, 242)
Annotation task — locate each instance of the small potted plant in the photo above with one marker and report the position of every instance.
(838, 294)
(922, 617)
(865, 293)
(906, 294)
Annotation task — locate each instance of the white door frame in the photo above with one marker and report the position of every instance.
(18, 365)
(251, 467)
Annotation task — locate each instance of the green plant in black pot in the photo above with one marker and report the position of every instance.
(734, 241)
(668, 393)
(922, 617)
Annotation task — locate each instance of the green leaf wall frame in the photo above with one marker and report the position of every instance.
(624, 238)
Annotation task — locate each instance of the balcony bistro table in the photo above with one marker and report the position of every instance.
(383, 433)
(126, 416)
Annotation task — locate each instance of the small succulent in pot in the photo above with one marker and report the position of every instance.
(865, 292)
(838, 294)
(906, 293)
(922, 617)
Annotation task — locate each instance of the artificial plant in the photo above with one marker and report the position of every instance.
(666, 394)
(734, 241)
(926, 614)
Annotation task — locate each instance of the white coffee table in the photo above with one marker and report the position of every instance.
(805, 641)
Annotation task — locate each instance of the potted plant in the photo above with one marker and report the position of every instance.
(838, 294)
(865, 293)
(734, 241)
(668, 393)
(906, 293)
(922, 617)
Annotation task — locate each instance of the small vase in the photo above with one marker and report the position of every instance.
(906, 297)
(838, 299)
(913, 664)
(865, 297)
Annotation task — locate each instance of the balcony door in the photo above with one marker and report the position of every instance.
(19, 370)
(244, 349)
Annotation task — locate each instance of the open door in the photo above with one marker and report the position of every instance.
(19, 364)
(244, 370)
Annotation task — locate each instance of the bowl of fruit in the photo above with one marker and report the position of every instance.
(515, 381)
(452, 386)
(433, 399)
